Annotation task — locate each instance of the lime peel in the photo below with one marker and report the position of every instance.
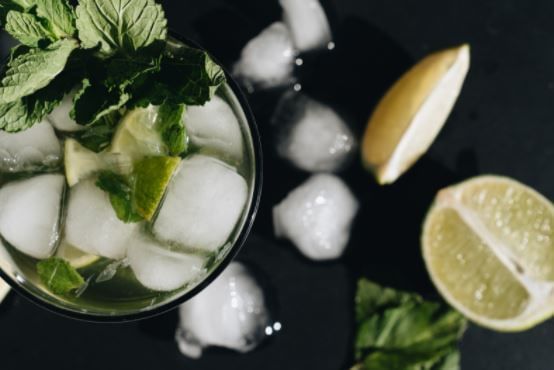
(526, 272)
(151, 177)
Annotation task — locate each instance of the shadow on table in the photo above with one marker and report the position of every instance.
(161, 327)
(384, 244)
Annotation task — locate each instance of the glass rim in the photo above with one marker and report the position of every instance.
(230, 255)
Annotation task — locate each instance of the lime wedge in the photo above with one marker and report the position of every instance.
(136, 135)
(410, 115)
(76, 258)
(81, 163)
(488, 246)
(152, 175)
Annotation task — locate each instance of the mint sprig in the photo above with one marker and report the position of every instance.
(34, 70)
(120, 25)
(120, 191)
(123, 59)
(27, 28)
(397, 330)
(59, 276)
(36, 21)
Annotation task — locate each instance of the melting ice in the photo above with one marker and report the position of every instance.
(317, 217)
(231, 313)
(312, 135)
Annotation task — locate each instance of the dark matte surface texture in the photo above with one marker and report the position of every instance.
(502, 124)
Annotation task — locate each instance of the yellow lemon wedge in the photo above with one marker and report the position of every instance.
(410, 115)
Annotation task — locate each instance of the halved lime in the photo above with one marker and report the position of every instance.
(136, 135)
(76, 257)
(152, 175)
(488, 246)
(411, 114)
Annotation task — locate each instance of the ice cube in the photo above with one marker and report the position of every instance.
(27, 150)
(91, 223)
(214, 126)
(158, 268)
(268, 59)
(308, 24)
(317, 217)
(30, 212)
(203, 204)
(60, 119)
(231, 312)
(312, 135)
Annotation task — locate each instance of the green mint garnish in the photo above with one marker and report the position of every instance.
(120, 25)
(117, 50)
(171, 126)
(98, 136)
(59, 276)
(120, 192)
(34, 70)
(27, 28)
(397, 330)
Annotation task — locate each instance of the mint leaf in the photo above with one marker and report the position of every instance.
(189, 76)
(98, 135)
(194, 75)
(171, 126)
(95, 101)
(26, 28)
(59, 276)
(120, 25)
(25, 112)
(34, 70)
(59, 15)
(444, 359)
(109, 87)
(6, 7)
(397, 330)
(120, 192)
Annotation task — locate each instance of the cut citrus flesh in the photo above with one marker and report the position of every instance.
(487, 244)
(75, 257)
(4, 289)
(136, 135)
(81, 163)
(410, 115)
(152, 175)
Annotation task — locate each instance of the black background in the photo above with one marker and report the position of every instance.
(502, 124)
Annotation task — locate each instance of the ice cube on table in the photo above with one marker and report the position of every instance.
(30, 214)
(91, 223)
(203, 204)
(160, 269)
(317, 217)
(60, 119)
(268, 59)
(214, 126)
(27, 150)
(307, 23)
(312, 135)
(231, 312)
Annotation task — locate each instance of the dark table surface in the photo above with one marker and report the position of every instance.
(502, 124)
